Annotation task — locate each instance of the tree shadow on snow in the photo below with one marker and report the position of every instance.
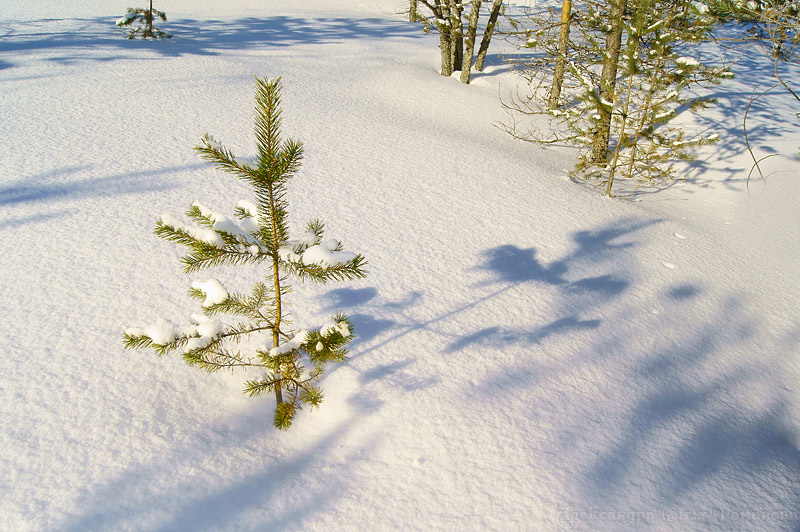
(512, 268)
(172, 495)
(50, 187)
(495, 64)
(56, 186)
(192, 37)
(652, 410)
(707, 433)
(367, 310)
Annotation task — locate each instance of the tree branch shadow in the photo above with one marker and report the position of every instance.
(510, 268)
(632, 417)
(172, 494)
(50, 187)
(190, 37)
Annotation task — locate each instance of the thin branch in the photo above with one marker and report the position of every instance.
(753, 98)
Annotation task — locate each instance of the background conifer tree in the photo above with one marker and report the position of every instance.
(627, 73)
(143, 20)
(291, 360)
(774, 22)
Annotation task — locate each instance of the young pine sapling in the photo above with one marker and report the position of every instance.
(291, 360)
(143, 19)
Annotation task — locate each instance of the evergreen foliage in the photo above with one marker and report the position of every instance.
(774, 21)
(291, 360)
(141, 21)
(625, 80)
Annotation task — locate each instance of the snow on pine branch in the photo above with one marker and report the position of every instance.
(308, 250)
(300, 338)
(687, 63)
(164, 332)
(198, 334)
(214, 291)
(209, 236)
(127, 18)
(242, 229)
(332, 326)
(248, 207)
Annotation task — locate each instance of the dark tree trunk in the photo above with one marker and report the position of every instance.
(487, 35)
(148, 19)
(456, 35)
(442, 15)
(561, 59)
(469, 48)
(608, 79)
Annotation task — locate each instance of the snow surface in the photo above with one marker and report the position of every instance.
(530, 355)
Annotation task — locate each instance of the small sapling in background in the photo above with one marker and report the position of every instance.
(141, 22)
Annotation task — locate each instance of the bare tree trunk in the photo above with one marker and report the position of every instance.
(608, 80)
(445, 41)
(561, 59)
(487, 35)
(456, 35)
(412, 11)
(469, 48)
(626, 113)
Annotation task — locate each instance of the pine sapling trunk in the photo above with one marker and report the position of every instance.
(276, 279)
(276, 329)
(608, 78)
(633, 69)
(622, 131)
(645, 112)
(412, 11)
(148, 30)
(487, 35)
(561, 58)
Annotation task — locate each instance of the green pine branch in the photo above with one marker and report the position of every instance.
(224, 160)
(318, 273)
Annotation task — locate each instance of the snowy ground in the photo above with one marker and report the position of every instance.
(531, 355)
